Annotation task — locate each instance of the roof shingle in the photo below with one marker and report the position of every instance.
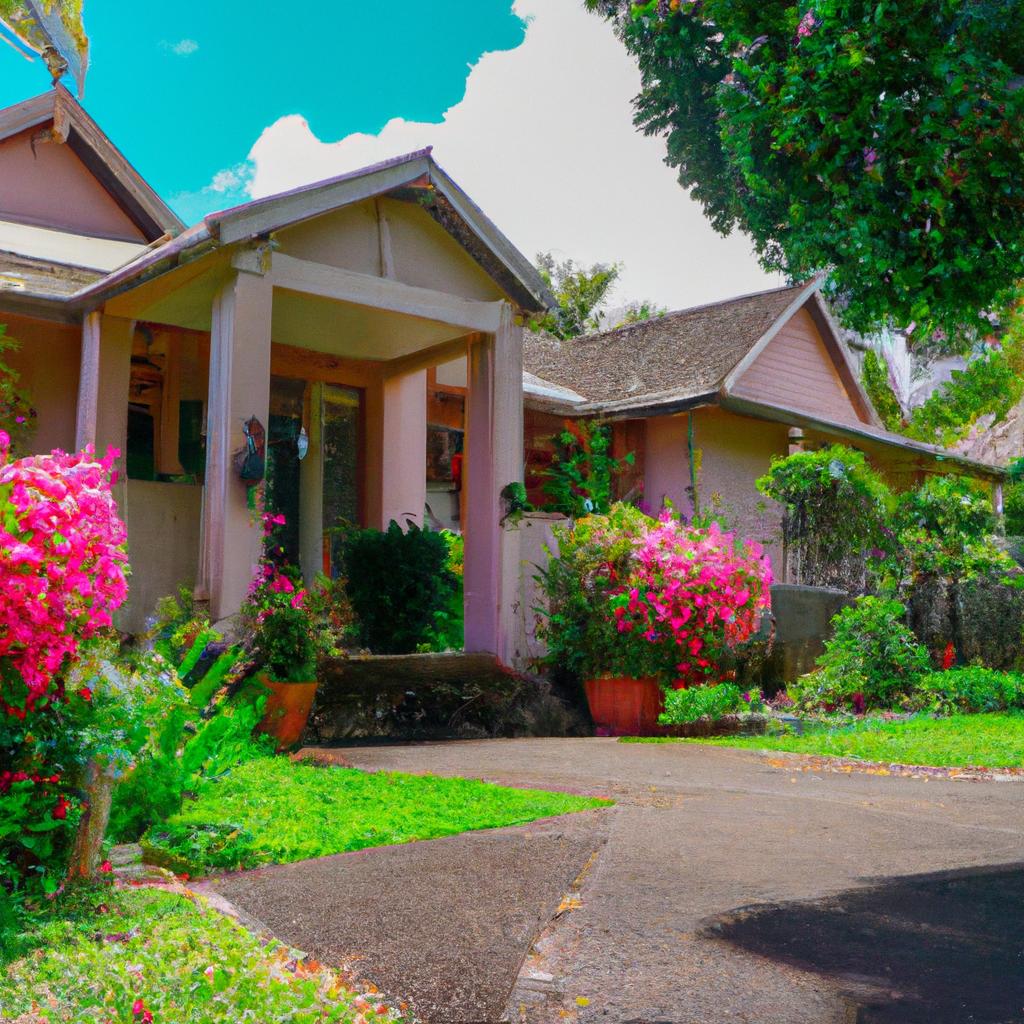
(690, 352)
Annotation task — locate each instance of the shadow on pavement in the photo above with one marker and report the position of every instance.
(921, 949)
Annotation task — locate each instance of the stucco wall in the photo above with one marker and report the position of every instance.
(31, 178)
(422, 252)
(733, 451)
(48, 361)
(163, 544)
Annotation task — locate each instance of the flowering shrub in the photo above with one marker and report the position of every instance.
(872, 660)
(692, 594)
(283, 637)
(62, 574)
(593, 559)
(633, 596)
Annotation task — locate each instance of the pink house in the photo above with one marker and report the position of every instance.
(705, 397)
(317, 313)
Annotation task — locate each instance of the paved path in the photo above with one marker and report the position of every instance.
(724, 890)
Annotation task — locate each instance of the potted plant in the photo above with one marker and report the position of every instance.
(639, 606)
(287, 645)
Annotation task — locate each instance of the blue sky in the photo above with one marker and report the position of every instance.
(185, 88)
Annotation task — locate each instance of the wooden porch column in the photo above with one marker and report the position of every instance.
(494, 458)
(239, 388)
(102, 417)
(404, 445)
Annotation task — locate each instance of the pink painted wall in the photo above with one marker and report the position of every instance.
(31, 181)
(48, 362)
(733, 452)
(796, 370)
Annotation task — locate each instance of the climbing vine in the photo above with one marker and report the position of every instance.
(875, 377)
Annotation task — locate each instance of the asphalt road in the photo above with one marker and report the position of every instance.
(720, 888)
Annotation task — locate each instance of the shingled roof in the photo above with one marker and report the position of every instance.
(689, 352)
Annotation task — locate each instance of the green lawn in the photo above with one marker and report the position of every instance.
(993, 741)
(96, 952)
(275, 811)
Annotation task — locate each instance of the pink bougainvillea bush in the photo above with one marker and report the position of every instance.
(692, 594)
(628, 595)
(62, 575)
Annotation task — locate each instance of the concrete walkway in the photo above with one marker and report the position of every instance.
(723, 890)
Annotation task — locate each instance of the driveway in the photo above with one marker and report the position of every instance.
(719, 888)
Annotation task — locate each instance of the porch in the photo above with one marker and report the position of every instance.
(320, 322)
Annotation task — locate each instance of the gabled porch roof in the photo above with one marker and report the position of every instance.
(414, 176)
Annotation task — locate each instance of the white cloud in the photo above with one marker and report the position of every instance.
(544, 142)
(228, 187)
(183, 47)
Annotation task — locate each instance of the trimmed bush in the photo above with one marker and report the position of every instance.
(399, 583)
(969, 690)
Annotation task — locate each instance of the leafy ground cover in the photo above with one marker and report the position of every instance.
(276, 811)
(148, 956)
(992, 741)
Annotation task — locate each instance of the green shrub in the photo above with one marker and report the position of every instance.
(398, 583)
(836, 509)
(872, 660)
(969, 690)
(594, 556)
(582, 471)
(694, 702)
(875, 378)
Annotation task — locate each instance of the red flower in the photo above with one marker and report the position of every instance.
(948, 658)
(142, 1015)
(85, 693)
(106, 867)
(60, 812)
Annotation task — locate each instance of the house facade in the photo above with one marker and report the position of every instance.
(293, 333)
(706, 397)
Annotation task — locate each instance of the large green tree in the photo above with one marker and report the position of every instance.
(881, 142)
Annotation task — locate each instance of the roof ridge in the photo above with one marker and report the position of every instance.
(693, 309)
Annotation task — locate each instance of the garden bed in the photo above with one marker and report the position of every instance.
(277, 811)
(142, 955)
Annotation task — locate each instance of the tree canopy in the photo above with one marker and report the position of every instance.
(881, 142)
(582, 293)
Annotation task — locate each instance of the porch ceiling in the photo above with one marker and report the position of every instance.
(351, 331)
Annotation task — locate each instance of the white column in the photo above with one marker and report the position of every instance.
(239, 389)
(494, 458)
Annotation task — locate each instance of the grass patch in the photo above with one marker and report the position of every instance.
(273, 810)
(97, 952)
(991, 741)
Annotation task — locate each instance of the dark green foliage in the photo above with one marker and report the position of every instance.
(1013, 509)
(683, 706)
(878, 141)
(872, 660)
(968, 690)
(875, 378)
(579, 480)
(398, 582)
(835, 510)
(17, 417)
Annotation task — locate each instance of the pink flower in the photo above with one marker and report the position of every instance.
(808, 23)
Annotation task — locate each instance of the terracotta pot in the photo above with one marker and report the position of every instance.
(623, 706)
(287, 710)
